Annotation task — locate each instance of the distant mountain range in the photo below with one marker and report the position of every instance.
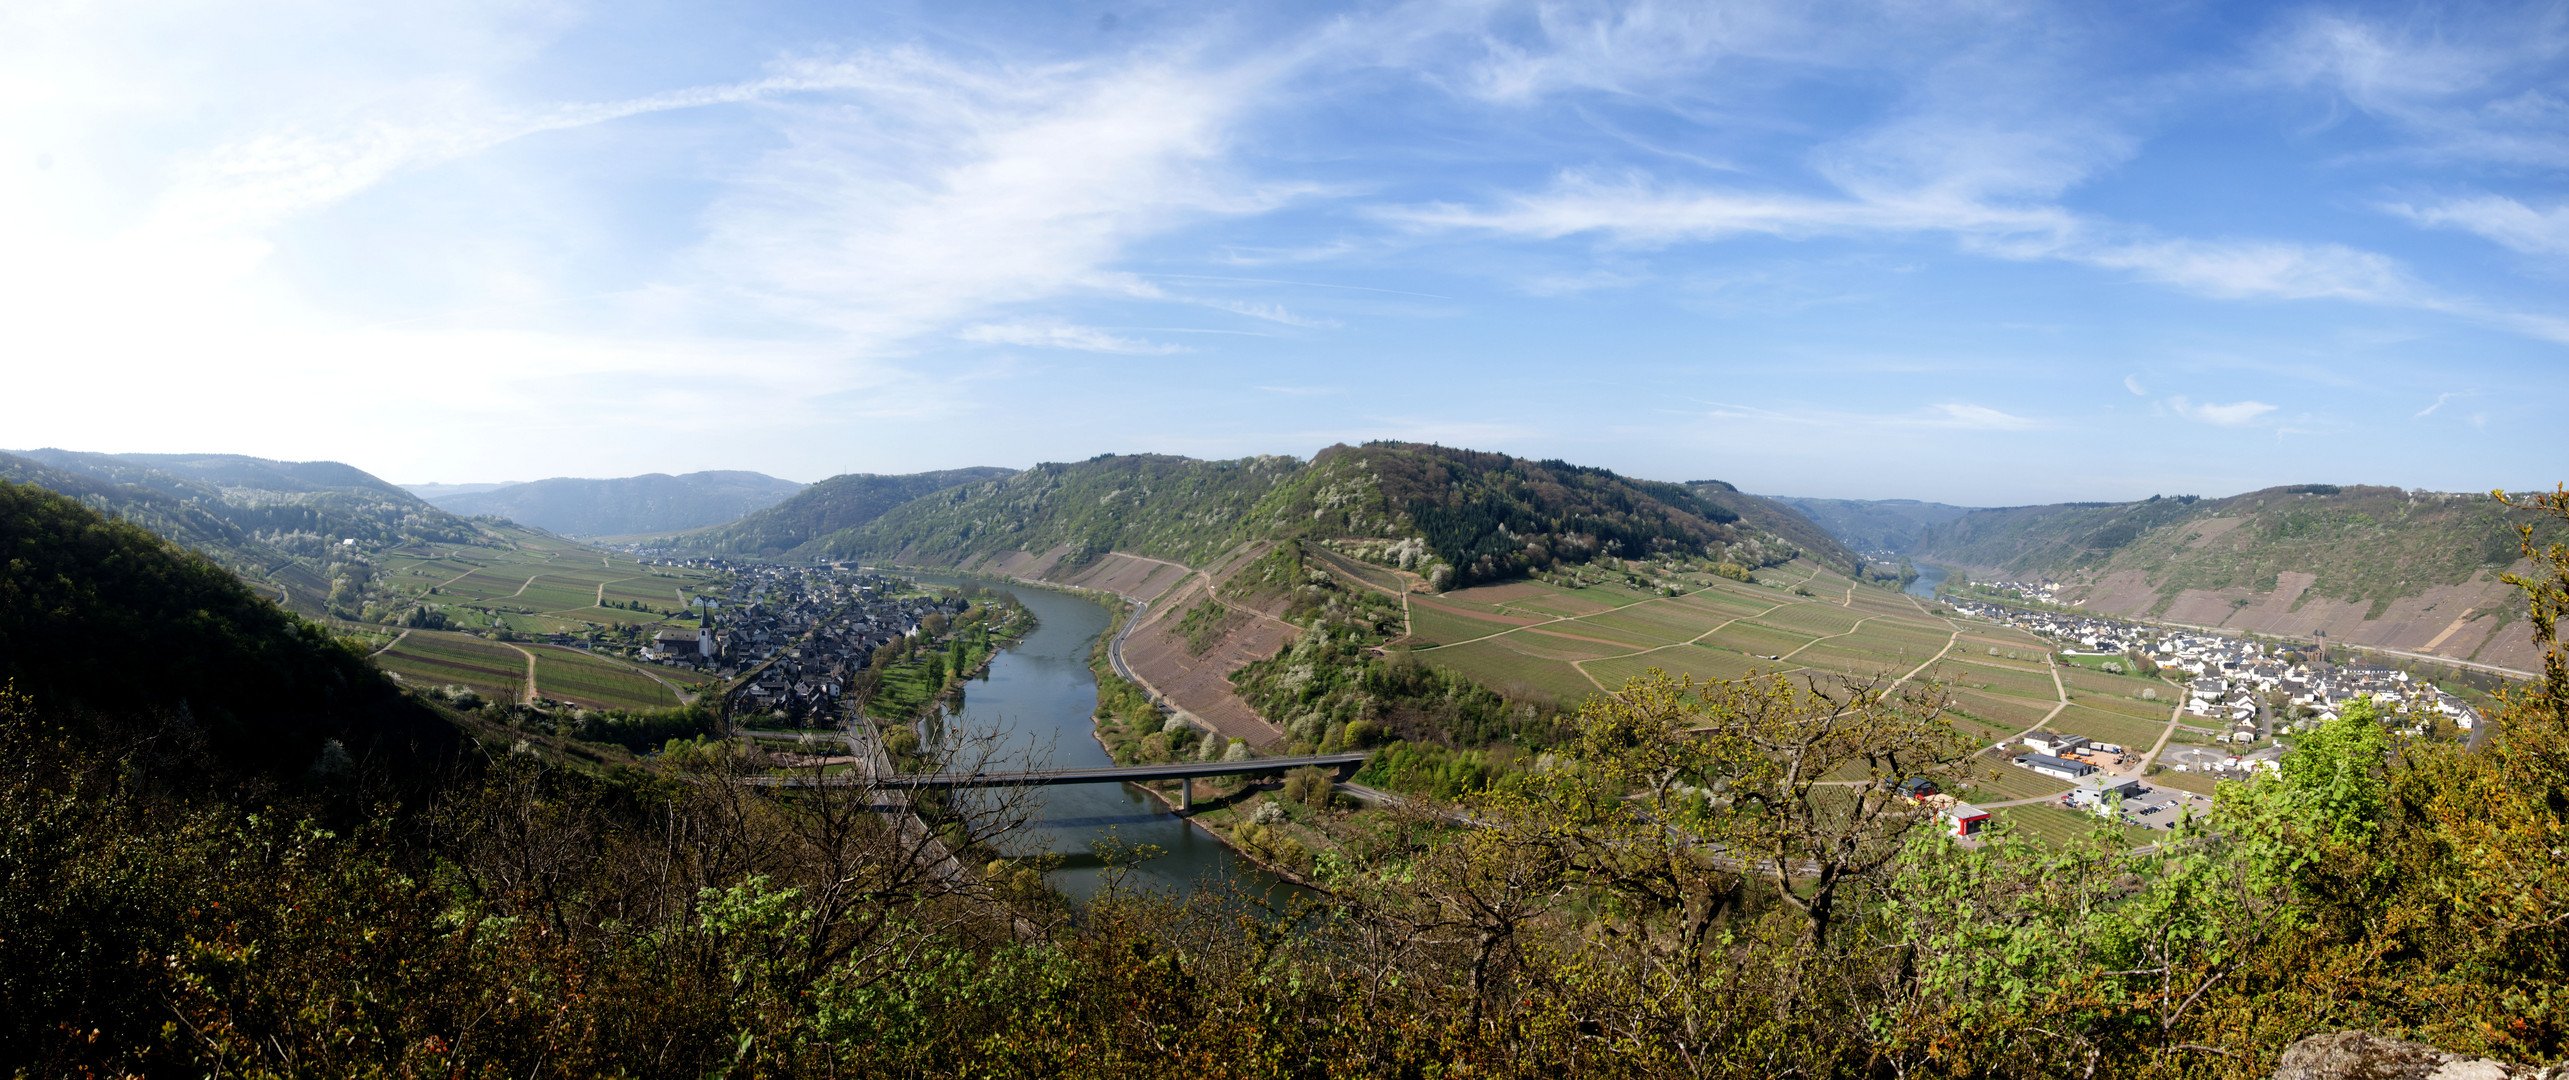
(1892, 525)
(434, 492)
(2407, 570)
(655, 502)
(831, 506)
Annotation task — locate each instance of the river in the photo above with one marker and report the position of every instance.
(1929, 576)
(1039, 694)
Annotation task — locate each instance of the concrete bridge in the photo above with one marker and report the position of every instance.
(1344, 765)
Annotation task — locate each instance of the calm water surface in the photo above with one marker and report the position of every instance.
(1928, 578)
(1039, 695)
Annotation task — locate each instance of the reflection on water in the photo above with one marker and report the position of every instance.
(1038, 696)
(1929, 577)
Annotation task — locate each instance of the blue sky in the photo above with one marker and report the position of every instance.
(1985, 253)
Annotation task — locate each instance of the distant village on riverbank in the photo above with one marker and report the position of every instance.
(2237, 682)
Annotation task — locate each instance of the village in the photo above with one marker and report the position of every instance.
(2236, 694)
(2249, 691)
(800, 634)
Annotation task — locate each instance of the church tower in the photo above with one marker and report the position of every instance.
(705, 632)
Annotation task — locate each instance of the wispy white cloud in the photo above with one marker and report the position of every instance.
(2133, 384)
(1633, 213)
(2470, 85)
(2235, 414)
(2442, 399)
(2523, 228)
(1940, 416)
(1983, 418)
(1065, 336)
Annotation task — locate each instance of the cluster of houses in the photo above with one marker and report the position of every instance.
(2045, 591)
(2231, 681)
(804, 631)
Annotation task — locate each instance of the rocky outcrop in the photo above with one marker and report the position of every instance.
(2360, 1055)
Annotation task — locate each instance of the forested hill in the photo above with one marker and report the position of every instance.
(104, 621)
(1892, 525)
(1157, 505)
(2375, 564)
(1480, 516)
(1489, 516)
(831, 506)
(653, 502)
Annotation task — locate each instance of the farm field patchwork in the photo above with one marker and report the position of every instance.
(569, 675)
(1816, 620)
(1830, 656)
(1542, 646)
(1501, 669)
(1721, 605)
(1638, 624)
(2143, 710)
(2060, 828)
(2109, 727)
(1757, 639)
(2097, 682)
(1701, 663)
(1995, 779)
(1979, 676)
(426, 659)
(1431, 625)
(2011, 713)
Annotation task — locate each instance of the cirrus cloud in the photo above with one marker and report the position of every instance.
(2234, 414)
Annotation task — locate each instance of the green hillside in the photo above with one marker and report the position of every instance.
(292, 504)
(1158, 505)
(1491, 516)
(1892, 525)
(653, 502)
(1483, 516)
(2364, 544)
(833, 505)
(283, 525)
(102, 620)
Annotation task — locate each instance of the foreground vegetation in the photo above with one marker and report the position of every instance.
(1704, 880)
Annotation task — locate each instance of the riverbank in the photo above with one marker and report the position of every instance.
(930, 671)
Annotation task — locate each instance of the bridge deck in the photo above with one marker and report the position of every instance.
(1118, 774)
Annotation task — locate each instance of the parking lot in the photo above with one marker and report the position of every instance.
(2156, 807)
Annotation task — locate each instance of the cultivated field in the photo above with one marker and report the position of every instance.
(542, 584)
(426, 659)
(1572, 639)
(570, 675)
(2057, 826)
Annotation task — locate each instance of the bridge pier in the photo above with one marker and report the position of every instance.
(1186, 794)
